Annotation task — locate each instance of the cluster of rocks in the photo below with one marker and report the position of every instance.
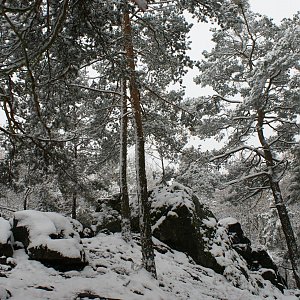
(47, 237)
(178, 219)
(184, 224)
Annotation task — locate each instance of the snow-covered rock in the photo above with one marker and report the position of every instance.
(5, 238)
(257, 259)
(50, 238)
(183, 223)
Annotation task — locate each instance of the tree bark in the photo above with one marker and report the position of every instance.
(74, 193)
(144, 205)
(25, 203)
(74, 205)
(284, 218)
(125, 208)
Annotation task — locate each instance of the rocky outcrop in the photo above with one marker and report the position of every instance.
(108, 214)
(257, 259)
(183, 223)
(49, 238)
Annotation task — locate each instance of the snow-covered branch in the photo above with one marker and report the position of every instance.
(218, 97)
(235, 150)
(96, 90)
(243, 178)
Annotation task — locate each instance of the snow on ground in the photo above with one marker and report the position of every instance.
(115, 272)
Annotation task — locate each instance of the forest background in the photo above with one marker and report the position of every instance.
(62, 140)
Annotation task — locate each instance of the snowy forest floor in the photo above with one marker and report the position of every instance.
(115, 272)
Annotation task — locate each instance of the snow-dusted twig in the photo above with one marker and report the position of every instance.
(96, 90)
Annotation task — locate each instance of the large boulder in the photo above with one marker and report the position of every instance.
(179, 220)
(5, 238)
(49, 238)
(108, 214)
(183, 223)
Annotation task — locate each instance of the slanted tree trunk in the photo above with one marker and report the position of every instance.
(163, 171)
(25, 203)
(287, 228)
(125, 209)
(144, 205)
(74, 205)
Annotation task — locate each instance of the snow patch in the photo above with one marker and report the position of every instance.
(210, 222)
(115, 272)
(227, 221)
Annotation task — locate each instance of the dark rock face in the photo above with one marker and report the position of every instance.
(110, 210)
(262, 262)
(6, 250)
(257, 259)
(20, 233)
(180, 225)
(240, 243)
(50, 239)
(56, 259)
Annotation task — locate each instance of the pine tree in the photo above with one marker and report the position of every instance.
(250, 69)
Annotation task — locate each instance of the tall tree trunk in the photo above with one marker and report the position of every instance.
(278, 199)
(74, 193)
(144, 205)
(125, 209)
(74, 205)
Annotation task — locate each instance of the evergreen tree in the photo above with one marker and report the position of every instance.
(254, 70)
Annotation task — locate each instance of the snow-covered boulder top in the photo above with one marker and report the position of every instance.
(5, 231)
(44, 223)
(51, 230)
(174, 195)
(227, 221)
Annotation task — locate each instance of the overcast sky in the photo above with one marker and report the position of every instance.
(200, 35)
(276, 9)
